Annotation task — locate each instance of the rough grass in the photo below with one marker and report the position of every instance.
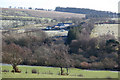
(103, 29)
(52, 72)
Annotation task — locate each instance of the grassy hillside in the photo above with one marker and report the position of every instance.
(38, 13)
(15, 18)
(51, 72)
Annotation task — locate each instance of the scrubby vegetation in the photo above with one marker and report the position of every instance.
(80, 50)
(93, 53)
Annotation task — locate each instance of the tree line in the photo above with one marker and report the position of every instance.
(90, 13)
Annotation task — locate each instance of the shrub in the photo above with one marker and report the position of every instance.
(84, 65)
(34, 71)
(5, 71)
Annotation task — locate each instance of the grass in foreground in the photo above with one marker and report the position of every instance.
(51, 72)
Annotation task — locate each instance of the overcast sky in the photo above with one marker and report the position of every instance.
(104, 5)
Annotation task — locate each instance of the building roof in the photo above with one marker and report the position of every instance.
(61, 24)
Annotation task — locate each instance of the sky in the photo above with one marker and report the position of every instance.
(103, 5)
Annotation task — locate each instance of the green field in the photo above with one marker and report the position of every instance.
(56, 33)
(50, 72)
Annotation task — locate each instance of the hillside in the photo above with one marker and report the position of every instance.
(89, 12)
(25, 17)
(38, 13)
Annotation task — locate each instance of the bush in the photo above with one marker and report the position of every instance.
(84, 65)
(34, 71)
(5, 71)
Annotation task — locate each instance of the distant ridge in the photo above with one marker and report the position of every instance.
(89, 12)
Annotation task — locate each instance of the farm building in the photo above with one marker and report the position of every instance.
(21, 30)
(63, 25)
